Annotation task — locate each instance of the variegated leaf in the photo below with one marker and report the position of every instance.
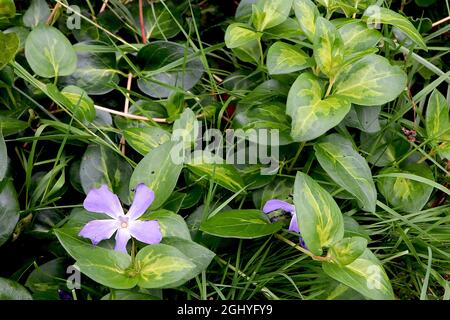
(319, 218)
(270, 13)
(328, 47)
(215, 168)
(370, 81)
(312, 116)
(160, 265)
(403, 193)
(306, 12)
(239, 34)
(145, 139)
(375, 15)
(285, 58)
(348, 169)
(358, 37)
(347, 250)
(80, 104)
(437, 120)
(366, 275)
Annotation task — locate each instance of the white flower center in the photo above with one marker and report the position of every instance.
(123, 222)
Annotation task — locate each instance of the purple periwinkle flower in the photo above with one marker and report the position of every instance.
(125, 226)
(275, 204)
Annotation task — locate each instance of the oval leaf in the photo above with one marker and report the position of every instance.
(376, 14)
(270, 13)
(319, 217)
(347, 250)
(366, 275)
(328, 47)
(306, 12)
(370, 81)
(49, 53)
(161, 265)
(407, 194)
(348, 169)
(159, 172)
(286, 58)
(312, 116)
(9, 210)
(241, 224)
(11, 290)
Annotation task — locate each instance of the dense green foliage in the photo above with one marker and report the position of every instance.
(120, 93)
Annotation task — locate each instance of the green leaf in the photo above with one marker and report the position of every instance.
(11, 290)
(312, 116)
(105, 266)
(159, 170)
(7, 9)
(36, 14)
(9, 210)
(270, 13)
(319, 217)
(370, 81)
(82, 105)
(384, 146)
(437, 121)
(376, 14)
(48, 277)
(358, 37)
(187, 128)
(159, 77)
(328, 47)
(207, 164)
(366, 275)
(286, 58)
(268, 91)
(307, 13)
(347, 250)
(49, 53)
(200, 256)
(161, 265)
(239, 34)
(3, 157)
(95, 71)
(99, 166)
(288, 30)
(243, 41)
(363, 118)
(159, 21)
(407, 194)
(128, 295)
(9, 44)
(241, 224)
(270, 116)
(348, 169)
(145, 139)
(11, 126)
(171, 224)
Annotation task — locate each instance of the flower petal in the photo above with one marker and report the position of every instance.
(143, 198)
(275, 204)
(147, 231)
(293, 226)
(102, 200)
(98, 230)
(122, 238)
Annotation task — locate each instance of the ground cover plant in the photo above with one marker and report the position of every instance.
(254, 149)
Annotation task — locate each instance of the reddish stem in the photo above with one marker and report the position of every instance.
(141, 21)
